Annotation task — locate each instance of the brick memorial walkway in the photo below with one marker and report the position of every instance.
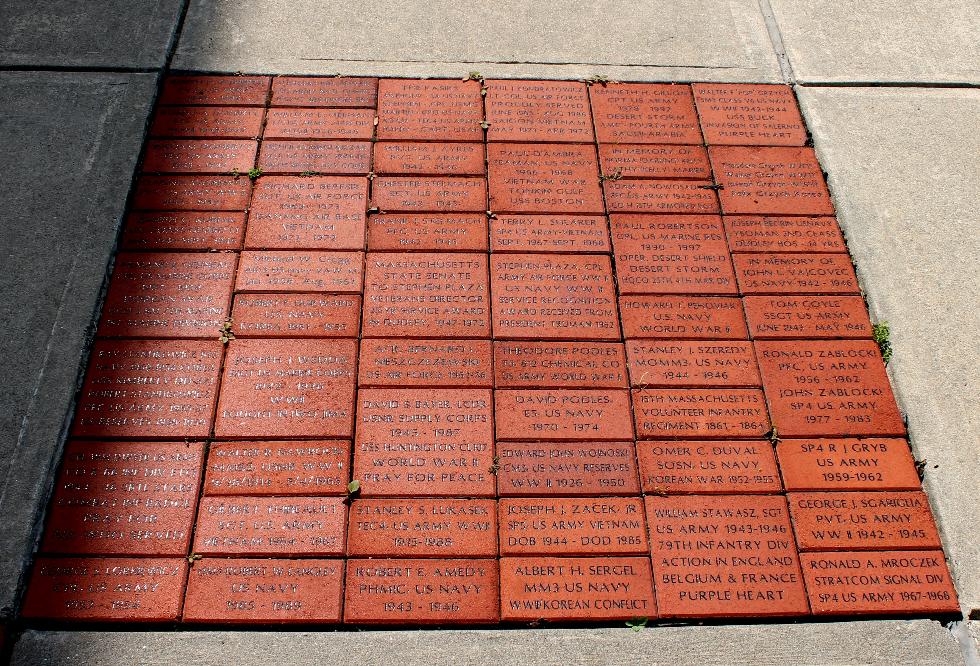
(592, 352)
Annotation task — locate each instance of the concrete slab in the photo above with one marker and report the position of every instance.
(883, 642)
(903, 171)
(724, 40)
(74, 140)
(880, 40)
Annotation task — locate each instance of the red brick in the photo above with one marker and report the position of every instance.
(215, 90)
(670, 254)
(568, 526)
(278, 468)
(212, 122)
(707, 468)
(422, 592)
(287, 388)
(697, 413)
(538, 111)
(644, 113)
(847, 464)
(271, 526)
(456, 232)
(566, 468)
(300, 271)
(543, 178)
(795, 274)
(192, 193)
(430, 110)
(101, 589)
(807, 317)
(660, 196)
(183, 231)
(549, 233)
(692, 363)
(756, 233)
(429, 194)
(431, 363)
(863, 520)
(324, 91)
(563, 414)
(885, 583)
(432, 159)
(423, 528)
(651, 161)
(426, 295)
(770, 181)
(127, 498)
(553, 297)
(149, 388)
(683, 317)
(437, 442)
(724, 556)
(832, 387)
(319, 124)
(242, 591)
(168, 294)
(321, 157)
(199, 155)
(323, 212)
(559, 365)
(570, 588)
(296, 315)
(749, 114)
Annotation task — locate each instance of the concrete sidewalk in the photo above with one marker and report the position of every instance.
(77, 83)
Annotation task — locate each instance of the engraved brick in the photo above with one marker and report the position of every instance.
(432, 363)
(884, 583)
(568, 526)
(106, 589)
(423, 528)
(183, 231)
(757, 233)
(437, 442)
(300, 271)
(430, 110)
(700, 413)
(670, 254)
(543, 178)
(278, 468)
(749, 114)
(192, 193)
(692, 363)
(426, 295)
(832, 387)
(260, 591)
(124, 498)
(770, 181)
(724, 556)
(319, 124)
(549, 233)
(807, 317)
(429, 194)
(707, 468)
(415, 592)
(559, 365)
(538, 111)
(296, 315)
(660, 196)
(212, 122)
(199, 155)
(320, 157)
(795, 274)
(847, 464)
(324, 212)
(552, 296)
(168, 294)
(456, 232)
(339, 91)
(563, 414)
(149, 388)
(287, 388)
(429, 159)
(566, 468)
(215, 90)
(570, 588)
(683, 317)
(271, 526)
(644, 113)
(652, 161)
